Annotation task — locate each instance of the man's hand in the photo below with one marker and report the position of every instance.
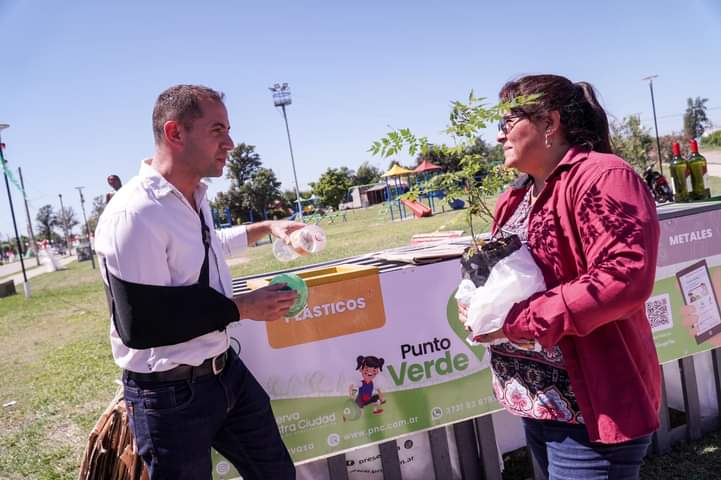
(283, 228)
(689, 317)
(279, 228)
(265, 304)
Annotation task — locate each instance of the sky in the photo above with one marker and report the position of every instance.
(79, 79)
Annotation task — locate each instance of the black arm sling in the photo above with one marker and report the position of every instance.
(147, 316)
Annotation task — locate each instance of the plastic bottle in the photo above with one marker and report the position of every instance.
(309, 239)
(681, 175)
(699, 173)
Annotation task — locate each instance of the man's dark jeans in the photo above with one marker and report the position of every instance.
(176, 423)
(563, 451)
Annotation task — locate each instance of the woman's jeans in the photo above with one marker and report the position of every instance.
(563, 451)
(176, 423)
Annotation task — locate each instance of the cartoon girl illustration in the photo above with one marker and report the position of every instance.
(364, 395)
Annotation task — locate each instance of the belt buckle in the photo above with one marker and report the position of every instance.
(218, 363)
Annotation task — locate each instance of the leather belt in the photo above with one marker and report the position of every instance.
(213, 365)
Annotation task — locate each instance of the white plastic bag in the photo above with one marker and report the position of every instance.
(512, 279)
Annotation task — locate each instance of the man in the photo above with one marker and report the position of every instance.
(171, 298)
(115, 184)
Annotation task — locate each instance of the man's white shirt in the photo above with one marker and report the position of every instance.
(150, 234)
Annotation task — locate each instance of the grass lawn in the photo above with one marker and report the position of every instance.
(56, 365)
(366, 230)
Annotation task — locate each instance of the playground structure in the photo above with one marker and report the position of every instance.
(418, 209)
(312, 214)
(396, 182)
(227, 222)
(399, 180)
(309, 206)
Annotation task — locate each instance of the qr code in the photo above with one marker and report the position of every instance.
(658, 311)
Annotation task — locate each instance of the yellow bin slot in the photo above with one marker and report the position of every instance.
(322, 276)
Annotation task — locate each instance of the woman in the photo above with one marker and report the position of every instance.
(590, 399)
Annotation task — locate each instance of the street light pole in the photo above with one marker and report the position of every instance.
(26, 285)
(655, 123)
(281, 98)
(33, 243)
(65, 224)
(87, 227)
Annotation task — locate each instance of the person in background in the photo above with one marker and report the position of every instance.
(171, 299)
(115, 183)
(589, 400)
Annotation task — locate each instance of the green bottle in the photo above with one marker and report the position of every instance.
(681, 175)
(699, 173)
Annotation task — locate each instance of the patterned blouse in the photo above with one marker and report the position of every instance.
(532, 384)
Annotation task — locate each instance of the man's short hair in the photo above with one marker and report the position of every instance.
(182, 104)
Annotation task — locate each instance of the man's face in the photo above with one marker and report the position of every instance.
(114, 182)
(208, 141)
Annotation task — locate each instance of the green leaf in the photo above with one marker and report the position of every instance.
(466, 120)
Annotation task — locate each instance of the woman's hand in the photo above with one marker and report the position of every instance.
(490, 337)
(462, 312)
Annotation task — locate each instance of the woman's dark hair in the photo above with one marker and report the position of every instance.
(583, 120)
(369, 361)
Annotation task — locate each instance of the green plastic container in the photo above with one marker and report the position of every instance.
(293, 282)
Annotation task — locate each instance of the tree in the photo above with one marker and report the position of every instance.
(65, 219)
(667, 142)
(632, 142)
(712, 140)
(220, 203)
(243, 163)
(491, 154)
(11, 245)
(332, 186)
(98, 208)
(47, 221)
(262, 190)
(288, 197)
(467, 119)
(366, 174)
(695, 120)
(234, 199)
(451, 161)
(441, 157)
